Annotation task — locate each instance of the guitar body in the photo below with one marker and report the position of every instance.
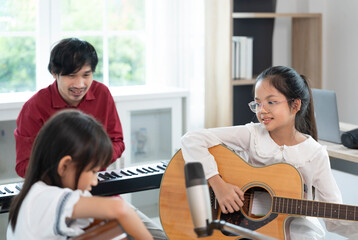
(278, 180)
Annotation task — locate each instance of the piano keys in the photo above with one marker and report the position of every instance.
(110, 182)
(132, 179)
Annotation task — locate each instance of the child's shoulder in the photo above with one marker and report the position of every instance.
(42, 190)
(257, 129)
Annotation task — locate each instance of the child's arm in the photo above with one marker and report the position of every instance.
(230, 197)
(112, 208)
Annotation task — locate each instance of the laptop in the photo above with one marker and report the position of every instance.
(326, 113)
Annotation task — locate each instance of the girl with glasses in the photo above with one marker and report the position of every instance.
(286, 133)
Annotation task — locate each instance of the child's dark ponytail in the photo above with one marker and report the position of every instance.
(309, 118)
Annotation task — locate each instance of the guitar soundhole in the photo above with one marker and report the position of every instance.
(257, 203)
(255, 213)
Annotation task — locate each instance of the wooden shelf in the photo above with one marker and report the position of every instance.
(306, 51)
(275, 15)
(240, 82)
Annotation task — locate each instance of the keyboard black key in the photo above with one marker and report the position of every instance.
(125, 173)
(109, 175)
(154, 170)
(160, 167)
(140, 171)
(103, 176)
(115, 174)
(133, 173)
(8, 190)
(147, 170)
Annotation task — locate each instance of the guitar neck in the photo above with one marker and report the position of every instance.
(314, 209)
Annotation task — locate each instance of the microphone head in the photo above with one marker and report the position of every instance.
(198, 198)
(194, 174)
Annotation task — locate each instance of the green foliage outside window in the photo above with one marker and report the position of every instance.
(124, 33)
(18, 48)
(126, 61)
(17, 64)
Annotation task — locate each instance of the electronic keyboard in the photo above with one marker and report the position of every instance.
(110, 182)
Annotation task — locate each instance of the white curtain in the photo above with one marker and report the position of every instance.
(218, 89)
(176, 57)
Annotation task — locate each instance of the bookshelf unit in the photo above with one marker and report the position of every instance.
(306, 52)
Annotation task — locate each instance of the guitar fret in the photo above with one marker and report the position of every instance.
(321, 209)
(298, 207)
(279, 205)
(334, 211)
(275, 204)
(301, 206)
(309, 208)
(329, 210)
(292, 206)
(342, 214)
(314, 209)
(283, 209)
(304, 208)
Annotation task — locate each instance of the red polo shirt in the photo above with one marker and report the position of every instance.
(97, 102)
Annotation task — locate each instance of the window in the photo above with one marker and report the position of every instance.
(116, 29)
(29, 28)
(139, 42)
(17, 46)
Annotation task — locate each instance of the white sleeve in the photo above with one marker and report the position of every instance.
(195, 145)
(326, 187)
(63, 224)
(327, 191)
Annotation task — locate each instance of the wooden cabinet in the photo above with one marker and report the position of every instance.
(306, 52)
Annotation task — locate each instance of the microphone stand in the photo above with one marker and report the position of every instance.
(231, 228)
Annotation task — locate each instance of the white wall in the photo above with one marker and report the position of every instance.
(341, 51)
(340, 47)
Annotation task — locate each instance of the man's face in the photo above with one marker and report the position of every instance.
(73, 87)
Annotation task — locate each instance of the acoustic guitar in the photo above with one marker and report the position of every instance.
(281, 185)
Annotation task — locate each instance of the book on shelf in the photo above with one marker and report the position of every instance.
(242, 57)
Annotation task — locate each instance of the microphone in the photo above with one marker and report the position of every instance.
(197, 191)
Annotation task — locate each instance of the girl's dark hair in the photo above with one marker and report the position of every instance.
(69, 132)
(70, 55)
(294, 86)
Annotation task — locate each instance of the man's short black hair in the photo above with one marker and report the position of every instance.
(70, 55)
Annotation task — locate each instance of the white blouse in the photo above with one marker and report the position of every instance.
(44, 214)
(254, 144)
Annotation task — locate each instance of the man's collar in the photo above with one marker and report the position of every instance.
(57, 100)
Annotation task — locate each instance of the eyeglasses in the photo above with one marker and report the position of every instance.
(270, 105)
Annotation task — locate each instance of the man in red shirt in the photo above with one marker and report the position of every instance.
(72, 63)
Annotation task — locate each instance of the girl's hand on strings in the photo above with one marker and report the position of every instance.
(229, 196)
